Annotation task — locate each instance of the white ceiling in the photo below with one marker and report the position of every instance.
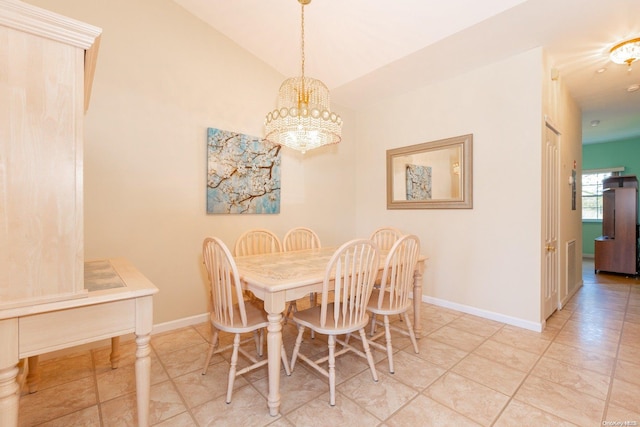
(362, 49)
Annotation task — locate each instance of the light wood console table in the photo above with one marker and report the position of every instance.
(119, 301)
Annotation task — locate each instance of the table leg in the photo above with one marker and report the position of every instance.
(144, 324)
(33, 377)
(9, 387)
(115, 352)
(274, 344)
(143, 378)
(417, 299)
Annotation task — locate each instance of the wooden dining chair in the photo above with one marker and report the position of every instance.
(393, 295)
(349, 275)
(298, 239)
(385, 237)
(230, 313)
(257, 241)
(254, 242)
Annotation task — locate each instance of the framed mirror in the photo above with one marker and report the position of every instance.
(432, 175)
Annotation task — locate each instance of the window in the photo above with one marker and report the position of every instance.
(592, 192)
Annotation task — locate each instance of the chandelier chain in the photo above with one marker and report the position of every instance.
(302, 38)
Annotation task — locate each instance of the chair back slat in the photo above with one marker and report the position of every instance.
(226, 290)
(397, 276)
(257, 241)
(352, 270)
(300, 238)
(385, 237)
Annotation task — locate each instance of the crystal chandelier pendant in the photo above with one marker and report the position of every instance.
(303, 119)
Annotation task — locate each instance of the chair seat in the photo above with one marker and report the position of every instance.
(310, 318)
(256, 319)
(384, 307)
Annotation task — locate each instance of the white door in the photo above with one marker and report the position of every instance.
(550, 251)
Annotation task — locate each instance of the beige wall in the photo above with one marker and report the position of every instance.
(485, 260)
(163, 77)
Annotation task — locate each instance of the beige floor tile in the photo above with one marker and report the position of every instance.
(118, 382)
(628, 371)
(165, 403)
(298, 389)
(581, 358)
(469, 398)
(423, 411)
(522, 415)
(65, 369)
(88, 417)
(618, 414)
(522, 339)
(507, 355)
(184, 360)
(439, 353)
(127, 349)
(490, 373)
(412, 370)
(197, 389)
(319, 413)
(580, 379)
(629, 353)
(625, 394)
(181, 420)
(477, 325)
(564, 402)
(457, 338)
(240, 412)
(605, 344)
(631, 333)
(171, 341)
(382, 398)
(57, 401)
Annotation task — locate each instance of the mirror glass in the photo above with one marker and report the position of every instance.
(432, 175)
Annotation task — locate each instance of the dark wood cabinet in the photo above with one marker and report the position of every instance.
(617, 249)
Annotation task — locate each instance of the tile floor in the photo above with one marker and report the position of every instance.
(583, 370)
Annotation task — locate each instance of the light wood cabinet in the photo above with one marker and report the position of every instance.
(46, 68)
(617, 249)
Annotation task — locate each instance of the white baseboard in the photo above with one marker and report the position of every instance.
(180, 323)
(514, 321)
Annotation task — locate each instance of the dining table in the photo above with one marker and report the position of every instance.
(277, 278)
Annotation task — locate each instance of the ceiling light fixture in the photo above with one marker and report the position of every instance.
(626, 52)
(303, 119)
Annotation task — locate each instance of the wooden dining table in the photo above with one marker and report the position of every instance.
(278, 278)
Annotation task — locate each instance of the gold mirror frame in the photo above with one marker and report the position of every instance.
(431, 175)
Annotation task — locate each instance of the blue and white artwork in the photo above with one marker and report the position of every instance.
(243, 174)
(418, 182)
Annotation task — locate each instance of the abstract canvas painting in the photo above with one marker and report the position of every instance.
(418, 182)
(243, 174)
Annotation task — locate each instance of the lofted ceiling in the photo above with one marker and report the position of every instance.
(366, 49)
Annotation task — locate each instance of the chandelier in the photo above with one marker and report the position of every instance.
(626, 52)
(303, 119)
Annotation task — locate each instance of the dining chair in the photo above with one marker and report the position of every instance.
(393, 295)
(257, 241)
(385, 237)
(300, 238)
(297, 239)
(349, 275)
(254, 242)
(229, 312)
